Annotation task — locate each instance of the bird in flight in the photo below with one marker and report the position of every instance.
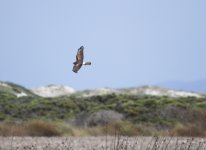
(79, 60)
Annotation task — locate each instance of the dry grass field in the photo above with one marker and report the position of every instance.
(102, 143)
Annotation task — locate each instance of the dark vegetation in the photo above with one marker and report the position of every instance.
(99, 115)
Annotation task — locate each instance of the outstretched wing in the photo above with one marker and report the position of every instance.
(79, 59)
(80, 55)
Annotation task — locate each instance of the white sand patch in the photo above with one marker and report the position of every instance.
(21, 94)
(53, 91)
(4, 84)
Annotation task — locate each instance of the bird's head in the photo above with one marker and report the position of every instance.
(82, 47)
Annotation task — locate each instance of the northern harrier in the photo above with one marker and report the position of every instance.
(79, 60)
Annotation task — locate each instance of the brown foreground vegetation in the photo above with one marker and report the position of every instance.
(37, 128)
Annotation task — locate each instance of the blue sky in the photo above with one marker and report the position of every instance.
(130, 43)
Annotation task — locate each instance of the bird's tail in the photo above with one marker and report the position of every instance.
(87, 63)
